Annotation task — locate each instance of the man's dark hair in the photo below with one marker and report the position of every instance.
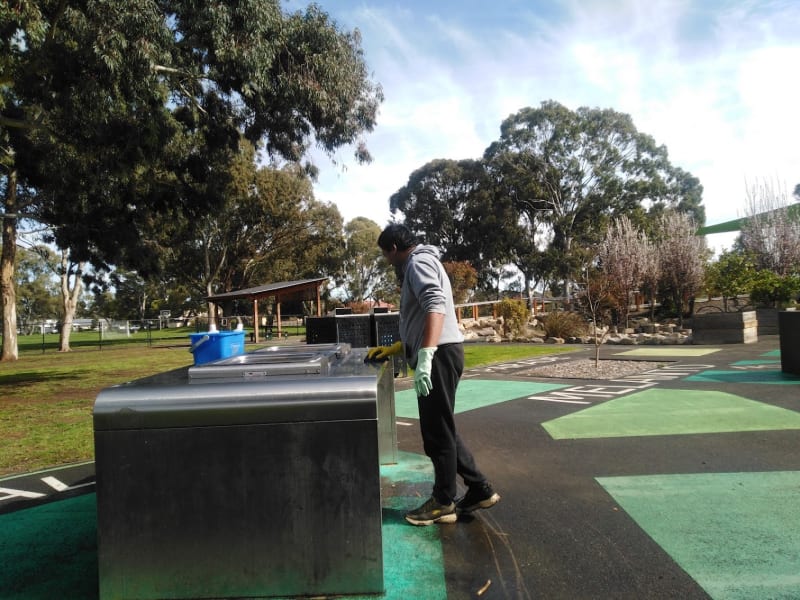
(396, 235)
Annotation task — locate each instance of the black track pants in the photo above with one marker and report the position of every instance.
(440, 439)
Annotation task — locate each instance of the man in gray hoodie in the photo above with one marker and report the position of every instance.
(433, 345)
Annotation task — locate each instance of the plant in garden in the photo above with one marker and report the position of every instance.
(619, 258)
(731, 275)
(683, 256)
(515, 316)
(463, 279)
(772, 290)
(598, 298)
(563, 324)
(650, 264)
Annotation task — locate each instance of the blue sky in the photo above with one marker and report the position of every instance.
(714, 81)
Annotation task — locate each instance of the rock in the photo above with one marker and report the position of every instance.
(486, 332)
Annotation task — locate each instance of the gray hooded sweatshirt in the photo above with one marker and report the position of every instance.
(425, 289)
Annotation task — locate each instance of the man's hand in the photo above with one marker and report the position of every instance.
(384, 352)
(422, 372)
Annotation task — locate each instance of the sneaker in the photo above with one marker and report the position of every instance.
(432, 512)
(478, 496)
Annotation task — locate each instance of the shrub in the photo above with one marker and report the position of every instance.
(563, 324)
(772, 290)
(515, 315)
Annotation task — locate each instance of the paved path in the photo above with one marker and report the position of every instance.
(682, 482)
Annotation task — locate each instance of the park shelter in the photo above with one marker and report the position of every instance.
(303, 289)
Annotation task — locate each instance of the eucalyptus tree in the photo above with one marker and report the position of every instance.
(118, 115)
(578, 169)
(457, 207)
(438, 200)
(265, 230)
(363, 267)
(36, 296)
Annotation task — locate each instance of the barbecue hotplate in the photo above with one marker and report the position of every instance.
(274, 361)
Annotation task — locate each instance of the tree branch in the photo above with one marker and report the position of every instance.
(18, 123)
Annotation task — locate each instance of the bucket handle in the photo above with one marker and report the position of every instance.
(199, 342)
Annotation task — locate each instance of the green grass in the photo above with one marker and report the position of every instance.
(46, 399)
(477, 355)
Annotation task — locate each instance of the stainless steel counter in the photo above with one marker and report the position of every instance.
(236, 485)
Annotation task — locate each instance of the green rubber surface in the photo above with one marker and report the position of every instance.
(50, 551)
(770, 377)
(475, 393)
(736, 534)
(672, 412)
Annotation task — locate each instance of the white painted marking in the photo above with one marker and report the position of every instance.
(54, 483)
(404, 424)
(559, 400)
(17, 494)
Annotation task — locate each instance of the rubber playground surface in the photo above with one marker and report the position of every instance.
(678, 482)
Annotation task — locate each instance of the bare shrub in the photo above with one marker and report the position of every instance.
(683, 255)
(621, 260)
(771, 232)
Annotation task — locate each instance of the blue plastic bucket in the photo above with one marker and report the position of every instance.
(214, 345)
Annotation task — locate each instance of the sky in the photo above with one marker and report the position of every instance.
(715, 81)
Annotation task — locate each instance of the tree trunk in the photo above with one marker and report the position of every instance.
(69, 300)
(597, 343)
(7, 263)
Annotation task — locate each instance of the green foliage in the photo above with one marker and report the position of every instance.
(574, 170)
(458, 207)
(120, 109)
(37, 298)
(772, 290)
(120, 121)
(364, 268)
(731, 275)
(564, 324)
(515, 315)
(544, 192)
(463, 278)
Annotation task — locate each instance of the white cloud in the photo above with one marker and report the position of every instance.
(713, 81)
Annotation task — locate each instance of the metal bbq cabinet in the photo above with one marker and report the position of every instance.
(241, 484)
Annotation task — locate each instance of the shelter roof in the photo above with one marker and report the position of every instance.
(793, 210)
(282, 288)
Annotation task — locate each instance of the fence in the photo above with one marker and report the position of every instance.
(165, 332)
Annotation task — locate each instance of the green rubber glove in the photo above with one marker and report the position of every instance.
(381, 352)
(422, 372)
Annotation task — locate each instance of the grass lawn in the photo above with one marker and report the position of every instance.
(46, 398)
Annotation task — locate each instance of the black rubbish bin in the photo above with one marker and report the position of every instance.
(789, 337)
(226, 488)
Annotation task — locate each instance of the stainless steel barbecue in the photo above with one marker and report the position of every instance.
(251, 476)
